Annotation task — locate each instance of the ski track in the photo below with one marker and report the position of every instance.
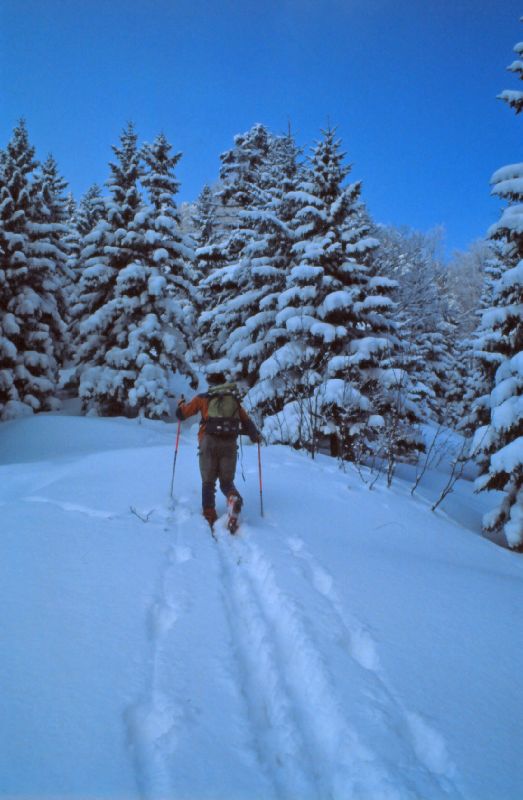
(303, 738)
(156, 723)
(427, 745)
(72, 507)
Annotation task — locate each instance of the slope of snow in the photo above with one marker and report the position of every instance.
(350, 644)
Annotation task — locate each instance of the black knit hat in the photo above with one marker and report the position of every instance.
(216, 378)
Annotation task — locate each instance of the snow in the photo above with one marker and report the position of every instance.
(286, 356)
(509, 413)
(514, 525)
(511, 219)
(378, 302)
(509, 188)
(511, 96)
(325, 331)
(344, 395)
(349, 644)
(511, 278)
(334, 301)
(509, 458)
(304, 272)
(507, 173)
(156, 285)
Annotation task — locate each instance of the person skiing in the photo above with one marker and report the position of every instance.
(223, 418)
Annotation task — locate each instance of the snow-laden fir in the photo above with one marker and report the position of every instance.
(349, 644)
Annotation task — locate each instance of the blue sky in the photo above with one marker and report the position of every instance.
(410, 84)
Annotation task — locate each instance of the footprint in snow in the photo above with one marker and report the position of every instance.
(182, 553)
(295, 544)
(430, 747)
(163, 617)
(362, 646)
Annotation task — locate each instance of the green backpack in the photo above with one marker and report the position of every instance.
(223, 414)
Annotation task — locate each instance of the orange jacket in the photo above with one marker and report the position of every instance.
(200, 403)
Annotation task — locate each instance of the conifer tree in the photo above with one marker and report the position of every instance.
(241, 190)
(85, 295)
(209, 255)
(91, 209)
(337, 357)
(264, 263)
(479, 352)
(206, 223)
(500, 444)
(169, 253)
(31, 328)
(132, 339)
(51, 201)
(424, 313)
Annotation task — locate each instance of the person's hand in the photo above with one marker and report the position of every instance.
(179, 414)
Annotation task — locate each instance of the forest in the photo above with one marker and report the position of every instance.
(344, 334)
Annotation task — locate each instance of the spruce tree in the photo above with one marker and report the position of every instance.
(169, 254)
(91, 209)
(424, 313)
(480, 349)
(87, 290)
(206, 224)
(265, 262)
(241, 191)
(31, 327)
(500, 443)
(208, 252)
(136, 287)
(51, 199)
(104, 380)
(334, 369)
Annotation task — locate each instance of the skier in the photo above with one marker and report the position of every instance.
(223, 419)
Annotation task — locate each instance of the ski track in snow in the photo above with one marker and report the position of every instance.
(72, 507)
(156, 722)
(427, 744)
(307, 743)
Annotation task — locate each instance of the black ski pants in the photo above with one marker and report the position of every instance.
(217, 456)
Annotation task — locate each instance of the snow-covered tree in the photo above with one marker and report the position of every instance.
(91, 209)
(333, 371)
(205, 220)
(52, 203)
(465, 282)
(500, 443)
(478, 351)
(264, 263)
(425, 312)
(31, 327)
(242, 190)
(85, 292)
(132, 340)
(170, 252)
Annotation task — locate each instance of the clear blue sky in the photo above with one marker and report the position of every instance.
(410, 84)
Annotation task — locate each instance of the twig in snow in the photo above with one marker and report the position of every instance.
(140, 516)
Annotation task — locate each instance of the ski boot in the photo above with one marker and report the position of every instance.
(234, 506)
(211, 516)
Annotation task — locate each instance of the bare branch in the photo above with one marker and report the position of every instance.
(140, 516)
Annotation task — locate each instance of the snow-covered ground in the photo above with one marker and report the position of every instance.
(350, 644)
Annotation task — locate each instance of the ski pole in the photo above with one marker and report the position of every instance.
(176, 453)
(261, 481)
(176, 448)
